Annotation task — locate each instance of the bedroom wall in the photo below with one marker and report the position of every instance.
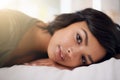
(74, 5)
(110, 7)
(47, 9)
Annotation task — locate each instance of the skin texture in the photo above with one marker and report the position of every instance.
(75, 46)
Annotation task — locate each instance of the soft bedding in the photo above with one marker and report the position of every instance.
(107, 70)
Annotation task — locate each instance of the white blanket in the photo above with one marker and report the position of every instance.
(108, 70)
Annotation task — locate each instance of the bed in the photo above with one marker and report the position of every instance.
(107, 70)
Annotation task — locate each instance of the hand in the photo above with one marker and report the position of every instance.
(46, 62)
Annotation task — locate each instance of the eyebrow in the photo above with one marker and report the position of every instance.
(86, 43)
(90, 58)
(86, 37)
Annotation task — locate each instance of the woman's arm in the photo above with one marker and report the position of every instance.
(47, 62)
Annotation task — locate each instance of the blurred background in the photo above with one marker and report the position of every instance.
(46, 9)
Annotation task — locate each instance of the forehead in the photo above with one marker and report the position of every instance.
(94, 48)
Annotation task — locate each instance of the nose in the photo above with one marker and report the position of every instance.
(69, 50)
(72, 50)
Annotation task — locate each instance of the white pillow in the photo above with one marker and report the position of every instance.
(108, 70)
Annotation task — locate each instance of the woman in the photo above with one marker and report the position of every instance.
(74, 39)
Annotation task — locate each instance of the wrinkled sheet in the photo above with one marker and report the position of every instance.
(107, 70)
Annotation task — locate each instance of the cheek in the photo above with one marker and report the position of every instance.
(51, 48)
(74, 60)
(63, 38)
(55, 40)
(73, 63)
(67, 40)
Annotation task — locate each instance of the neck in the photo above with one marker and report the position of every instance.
(42, 38)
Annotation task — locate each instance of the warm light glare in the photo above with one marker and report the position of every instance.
(22, 5)
(41, 9)
(4, 3)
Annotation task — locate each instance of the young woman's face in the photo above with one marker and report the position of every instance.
(75, 46)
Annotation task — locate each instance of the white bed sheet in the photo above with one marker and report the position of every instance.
(108, 70)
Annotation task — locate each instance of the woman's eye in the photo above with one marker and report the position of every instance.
(84, 61)
(78, 38)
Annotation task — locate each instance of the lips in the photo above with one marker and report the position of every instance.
(59, 56)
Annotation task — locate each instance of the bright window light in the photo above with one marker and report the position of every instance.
(65, 6)
(97, 4)
(4, 3)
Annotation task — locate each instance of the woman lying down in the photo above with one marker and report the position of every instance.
(71, 40)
